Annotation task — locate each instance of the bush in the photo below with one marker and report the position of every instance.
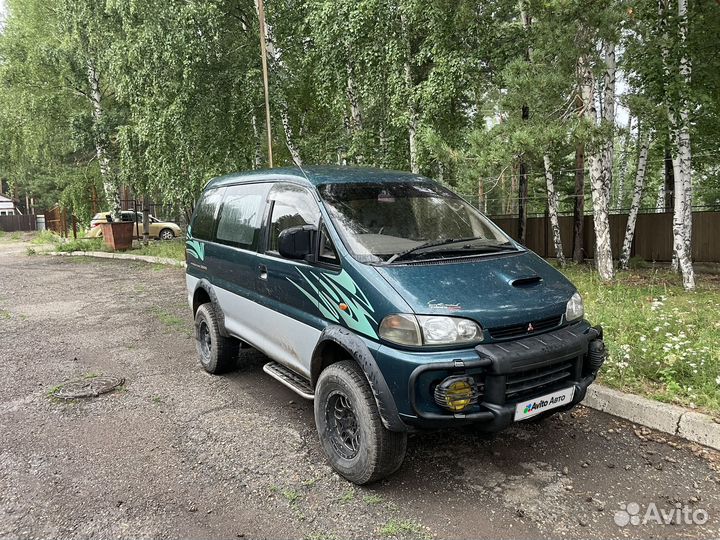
(46, 237)
(93, 244)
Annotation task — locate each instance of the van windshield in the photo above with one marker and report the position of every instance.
(395, 222)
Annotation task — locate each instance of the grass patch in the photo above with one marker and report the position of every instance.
(16, 236)
(348, 496)
(169, 249)
(5, 314)
(291, 495)
(168, 319)
(372, 500)
(405, 528)
(663, 342)
(46, 237)
(92, 244)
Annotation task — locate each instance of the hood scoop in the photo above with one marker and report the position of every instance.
(528, 281)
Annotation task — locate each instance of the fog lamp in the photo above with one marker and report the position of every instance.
(456, 393)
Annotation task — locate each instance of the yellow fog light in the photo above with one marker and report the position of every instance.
(456, 393)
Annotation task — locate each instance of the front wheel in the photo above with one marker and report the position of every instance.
(166, 234)
(351, 432)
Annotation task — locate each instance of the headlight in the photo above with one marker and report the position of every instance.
(574, 309)
(405, 329)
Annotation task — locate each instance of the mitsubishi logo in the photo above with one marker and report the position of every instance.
(531, 328)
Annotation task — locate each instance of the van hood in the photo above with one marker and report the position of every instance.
(495, 291)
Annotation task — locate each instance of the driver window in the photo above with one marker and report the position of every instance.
(293, 206)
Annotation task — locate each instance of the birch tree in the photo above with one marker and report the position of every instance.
(638, 188)
(553, 210)
(599, 179)
(679, 121)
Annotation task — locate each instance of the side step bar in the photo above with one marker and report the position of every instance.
(289, 378)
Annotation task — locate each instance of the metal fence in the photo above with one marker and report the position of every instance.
(653, 235)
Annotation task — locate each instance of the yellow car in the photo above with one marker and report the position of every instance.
(163, 230)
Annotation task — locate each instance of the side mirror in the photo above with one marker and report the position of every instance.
(297, 242)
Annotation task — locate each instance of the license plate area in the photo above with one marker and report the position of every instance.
(534, 406)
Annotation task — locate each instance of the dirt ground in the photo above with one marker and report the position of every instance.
(176, 452)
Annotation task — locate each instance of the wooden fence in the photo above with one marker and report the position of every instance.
(653, 235)
(17, 223)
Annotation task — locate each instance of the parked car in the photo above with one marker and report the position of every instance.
(163, 230)
(388, 300)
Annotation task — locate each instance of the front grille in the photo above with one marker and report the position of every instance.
(520, 330)
(533, 382)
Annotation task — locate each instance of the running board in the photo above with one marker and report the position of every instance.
(289, 378)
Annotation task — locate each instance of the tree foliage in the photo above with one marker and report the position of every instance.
(389, 83)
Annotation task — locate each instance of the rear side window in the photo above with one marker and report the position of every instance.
(293, 207)
(202, 225)
(241, 215)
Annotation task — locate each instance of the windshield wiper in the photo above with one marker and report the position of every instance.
(431, 243)
(506, 246)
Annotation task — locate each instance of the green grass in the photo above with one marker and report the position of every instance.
(93, 244)
(168, 319)
(46, 237)
(663, 342)
(372, 500)
(348, 496)
(291, 495)
(405, 528)
(169, 249)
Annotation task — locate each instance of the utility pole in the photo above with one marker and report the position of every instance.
(263, 51)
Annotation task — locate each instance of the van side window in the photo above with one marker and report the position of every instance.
(202, 225)
(241, 215)
(293, 207)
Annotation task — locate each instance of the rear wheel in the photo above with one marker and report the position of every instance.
(351, 432)
(217, 354)
(166, 234)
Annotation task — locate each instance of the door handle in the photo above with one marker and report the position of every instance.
(262, 270)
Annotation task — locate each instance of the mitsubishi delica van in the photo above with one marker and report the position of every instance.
(388, 300)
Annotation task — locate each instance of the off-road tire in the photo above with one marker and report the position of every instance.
(219, 355)
(380, 451)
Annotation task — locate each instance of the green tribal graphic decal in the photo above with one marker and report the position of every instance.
(193, 247)
(327, 291)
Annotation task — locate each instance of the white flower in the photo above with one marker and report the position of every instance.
(717, 380)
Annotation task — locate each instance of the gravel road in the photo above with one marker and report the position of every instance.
(176, 452)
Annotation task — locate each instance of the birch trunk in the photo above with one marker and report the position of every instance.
(553, 211)
(356, 111)
(579, 205)
(598, 187)
(112, 194)
(289, 138)
(637, 198)
(608, 116)
(411, 103)
(682, 161)
(660, 205)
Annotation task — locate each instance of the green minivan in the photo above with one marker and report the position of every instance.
(388, 300)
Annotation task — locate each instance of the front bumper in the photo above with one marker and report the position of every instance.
(510, 372)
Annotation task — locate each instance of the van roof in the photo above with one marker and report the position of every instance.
(317, 176)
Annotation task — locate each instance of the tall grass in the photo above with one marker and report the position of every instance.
(663, 342)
